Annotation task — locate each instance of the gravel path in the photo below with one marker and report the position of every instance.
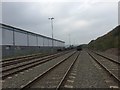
(88, 76)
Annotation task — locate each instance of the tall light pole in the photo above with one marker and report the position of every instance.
(52, 31)
(69, 40)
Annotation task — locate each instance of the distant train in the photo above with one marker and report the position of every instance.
(79, 48)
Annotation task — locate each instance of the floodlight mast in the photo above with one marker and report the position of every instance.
(52, 31)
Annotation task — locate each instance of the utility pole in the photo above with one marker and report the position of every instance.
(51, 19)
(69, 40)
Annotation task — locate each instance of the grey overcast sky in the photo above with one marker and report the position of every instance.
(83, 20)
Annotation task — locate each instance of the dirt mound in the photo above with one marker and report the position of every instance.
(113, 51)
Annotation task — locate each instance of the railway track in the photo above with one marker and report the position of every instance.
(54, 76)
(116, 61)
(13, 69)
(109, 65)
(21, 59)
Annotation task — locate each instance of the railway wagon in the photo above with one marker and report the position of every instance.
(79, 48)
(17, 42)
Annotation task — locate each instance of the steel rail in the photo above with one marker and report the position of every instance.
(30, 83)
(115, 61)
(67, 72)
(20, 57)
(33, 65)
(37, 60)
(23, 59)
(8, 63)
(103, 66)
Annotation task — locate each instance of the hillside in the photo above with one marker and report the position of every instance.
(106, 42)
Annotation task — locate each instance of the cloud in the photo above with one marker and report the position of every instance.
(83, 20)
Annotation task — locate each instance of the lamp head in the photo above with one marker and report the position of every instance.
(51, 18)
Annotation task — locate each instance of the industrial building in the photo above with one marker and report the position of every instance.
(16, 42)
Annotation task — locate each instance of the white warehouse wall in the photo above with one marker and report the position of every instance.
(0, 36)
(20, 38)
(50, 42)
(40, 41)
(11, 35)
(32, 40)
(59, 44)
(45, 42)
(55, 43)
(63, 44)
(7, 36)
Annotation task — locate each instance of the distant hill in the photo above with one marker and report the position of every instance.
(108, 41)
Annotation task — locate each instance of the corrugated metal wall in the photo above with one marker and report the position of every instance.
(40, 41)
(7, 37)
(50, 42)
(32, 40)
(0, 35)
(18, 37)
(46, 42)
(17, 42)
